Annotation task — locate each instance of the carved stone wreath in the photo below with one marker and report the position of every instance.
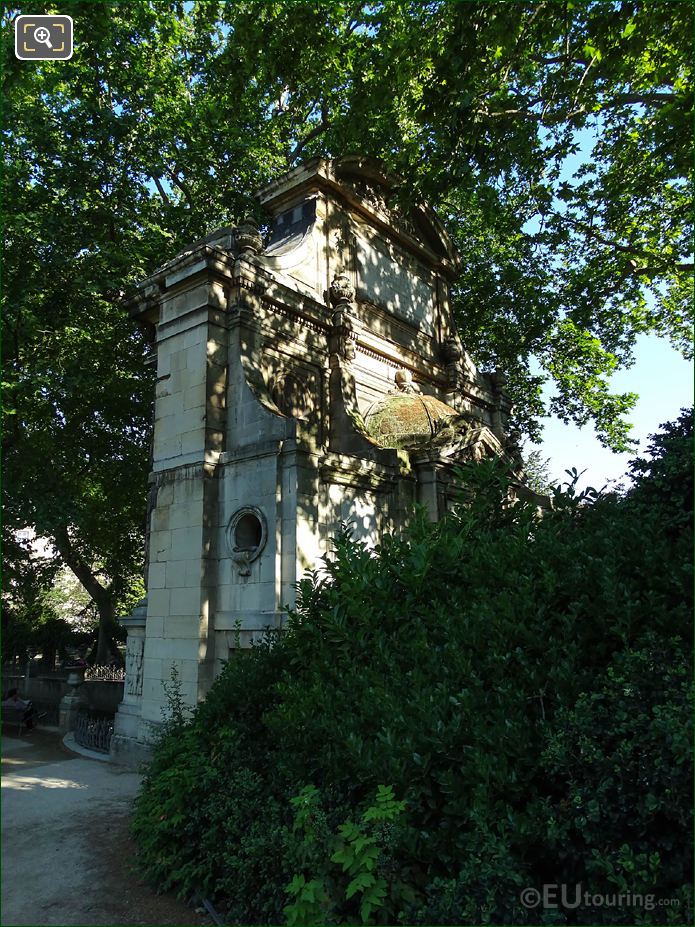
(246, 536)
(294, 395)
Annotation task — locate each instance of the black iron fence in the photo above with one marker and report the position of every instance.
(94, 730)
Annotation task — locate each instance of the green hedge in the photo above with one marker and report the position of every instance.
(521, 684)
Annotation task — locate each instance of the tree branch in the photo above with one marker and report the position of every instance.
(616, 246)
(183, 187)
(645, 99)
(652, 269)
(314, 133)
(81, 569)
(517, 46)
(620, 99)
(100, 595)
(626, 249)
(560, 59)
(635, 269)
(586, 71)
(160, 189)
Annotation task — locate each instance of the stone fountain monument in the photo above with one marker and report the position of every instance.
(310, 381)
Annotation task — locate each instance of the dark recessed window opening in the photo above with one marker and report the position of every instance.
(248, 533)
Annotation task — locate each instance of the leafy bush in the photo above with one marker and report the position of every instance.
(622, 755)
(359, 854)
(518, 682)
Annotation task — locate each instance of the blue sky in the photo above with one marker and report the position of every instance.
(660, 376)
(664, 382)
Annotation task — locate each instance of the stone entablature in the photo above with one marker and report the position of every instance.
(269, 360)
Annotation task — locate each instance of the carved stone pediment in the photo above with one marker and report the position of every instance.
(377, 197)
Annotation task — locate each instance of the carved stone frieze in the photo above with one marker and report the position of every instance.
(377, 198)
(135, 652)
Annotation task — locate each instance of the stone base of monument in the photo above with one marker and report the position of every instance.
(126, 751)
(132, 740)
(131, 743)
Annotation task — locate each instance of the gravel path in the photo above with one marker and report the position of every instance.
(67, 858)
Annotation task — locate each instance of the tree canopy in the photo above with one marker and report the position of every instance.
(553, 138)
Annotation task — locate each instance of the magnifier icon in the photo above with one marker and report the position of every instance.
(42, 34)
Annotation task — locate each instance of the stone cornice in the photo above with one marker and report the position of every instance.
(355, 472)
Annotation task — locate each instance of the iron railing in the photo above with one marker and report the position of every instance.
(105, 673)
(94, 731)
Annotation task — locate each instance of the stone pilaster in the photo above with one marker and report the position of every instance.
(189, 436)
(125, 747)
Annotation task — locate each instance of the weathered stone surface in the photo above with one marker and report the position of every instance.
(406, 420)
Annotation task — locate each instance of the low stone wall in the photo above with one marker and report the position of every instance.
(102, 695)
(46, 691)
(12, 681)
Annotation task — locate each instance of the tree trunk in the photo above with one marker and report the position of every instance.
(107, 649)
(102, 597)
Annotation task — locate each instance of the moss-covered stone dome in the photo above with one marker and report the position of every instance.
(403, 420)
